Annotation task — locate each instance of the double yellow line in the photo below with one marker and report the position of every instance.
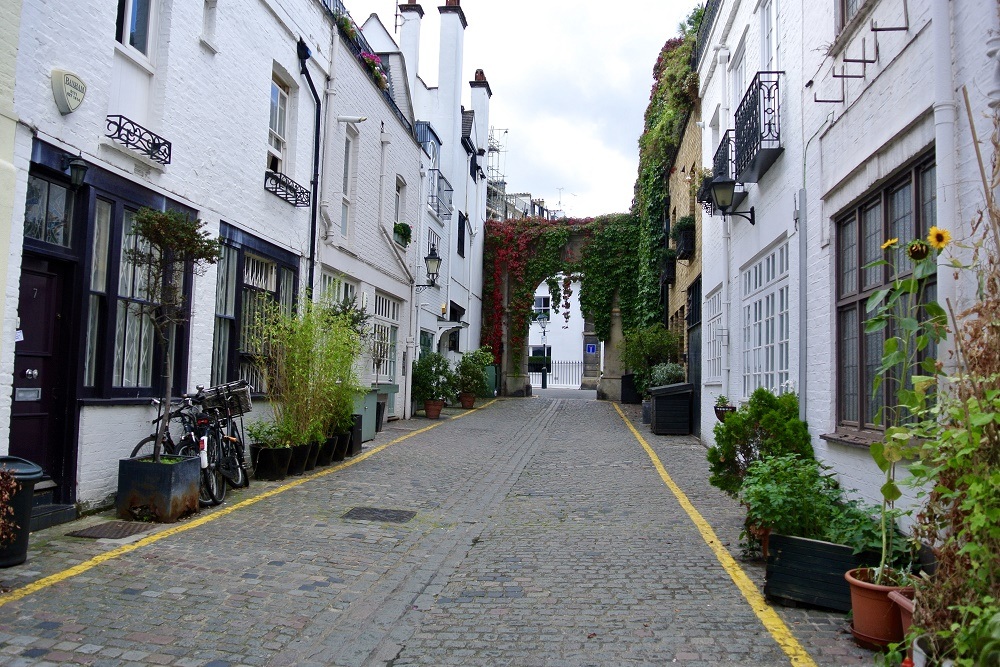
(52, 579)
(772, 622)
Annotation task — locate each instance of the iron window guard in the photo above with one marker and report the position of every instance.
(132, 135)
(758, 129)
(284, 187)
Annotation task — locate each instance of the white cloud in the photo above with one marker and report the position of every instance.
(570, 83)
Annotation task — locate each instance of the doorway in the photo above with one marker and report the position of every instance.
(39, 421)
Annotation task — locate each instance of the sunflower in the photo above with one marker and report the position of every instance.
(938, 237)
(891, 243)
(918, 249)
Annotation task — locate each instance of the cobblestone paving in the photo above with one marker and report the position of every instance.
(542, 536)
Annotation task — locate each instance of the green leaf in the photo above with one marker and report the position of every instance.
(890, 491)
(924, 268)
(909, 323)
(876, 299)
(981, 418)
(875, 324)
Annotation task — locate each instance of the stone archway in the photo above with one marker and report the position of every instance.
(522, 253)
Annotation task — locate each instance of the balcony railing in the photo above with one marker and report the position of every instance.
(284, 187)
(439, 197)
(132, 135)
(724, 165)
(701, 41)
(758, 129)
(357, 43)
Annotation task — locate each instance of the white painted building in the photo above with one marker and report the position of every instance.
(874, 143)
(216, 110)
(562, 339)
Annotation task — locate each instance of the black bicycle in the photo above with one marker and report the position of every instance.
(184, 415)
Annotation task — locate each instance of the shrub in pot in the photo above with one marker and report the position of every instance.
(766, 425)
(723, 408)
(433, 382)
(270, 450)
(643, 348)
(471, 375)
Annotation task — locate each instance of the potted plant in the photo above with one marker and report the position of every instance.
(645, 347)
(346, 26)
(683, 233)
(766, 425)
(723, 408)
(161, 246)
(471, 375)
(810, 532)
(401, 233)
(270, 450)
(433, 382)
(373, 63)
(661, 375)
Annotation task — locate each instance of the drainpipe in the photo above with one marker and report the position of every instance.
(304, 55)
(945, 110)
(722, 58)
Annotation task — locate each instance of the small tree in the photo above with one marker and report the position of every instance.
(159, 247)
(644, 348)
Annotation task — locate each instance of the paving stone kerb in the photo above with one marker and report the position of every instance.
(542, 536)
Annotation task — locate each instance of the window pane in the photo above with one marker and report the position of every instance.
(34, 213)
(58, 216)
(220, 350)
(871, 224)
(101, 247)
(225, 286)
(874, 401)
(95, 313)
(928, 199)
(848, 259)
(345, 212)
(901, 225)
(286, 294)
(848, 362)
(139, 25)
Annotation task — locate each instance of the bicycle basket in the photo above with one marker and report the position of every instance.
(234, 396)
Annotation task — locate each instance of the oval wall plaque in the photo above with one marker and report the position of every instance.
(68, 90)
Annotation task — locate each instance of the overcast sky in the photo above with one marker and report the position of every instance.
(570, 81)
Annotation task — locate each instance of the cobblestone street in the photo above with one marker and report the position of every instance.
(543, 535)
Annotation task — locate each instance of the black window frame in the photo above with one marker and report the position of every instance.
(241, 242)
(853, 366)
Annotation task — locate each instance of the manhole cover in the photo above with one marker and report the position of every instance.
(379, 514)
(113, 530)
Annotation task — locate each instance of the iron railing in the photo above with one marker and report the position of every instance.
(358, 45)
(439, 196)
(724, 163)
(757, 121)
(561, 375)
(704, 30)
(284, 187)
(132, 135)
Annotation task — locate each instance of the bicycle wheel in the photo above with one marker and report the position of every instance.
(231, 464)
(145, 447)
(213, 480)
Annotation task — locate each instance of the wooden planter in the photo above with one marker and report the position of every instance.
(811, 572)
(162, 492)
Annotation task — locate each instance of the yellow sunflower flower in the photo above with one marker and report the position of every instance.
(891, 243)
(938, 237)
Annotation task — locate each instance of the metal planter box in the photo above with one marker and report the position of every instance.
(162, 492)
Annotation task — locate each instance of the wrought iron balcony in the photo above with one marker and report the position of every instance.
(758, 128)
(724, 166)
(132, 135)
(284, 187)
(439, 197)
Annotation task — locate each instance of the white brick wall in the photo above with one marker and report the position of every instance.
(214, 107)
(841, 151)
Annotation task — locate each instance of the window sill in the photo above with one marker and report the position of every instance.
(859, 439)
(208, 45)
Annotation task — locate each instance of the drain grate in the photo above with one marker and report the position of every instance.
(113, 530)
(379, 514)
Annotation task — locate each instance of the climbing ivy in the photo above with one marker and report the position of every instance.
(532, 250)
(673, 96)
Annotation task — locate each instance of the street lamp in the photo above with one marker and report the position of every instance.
(432, 262)
(543, 322)
(723, 190)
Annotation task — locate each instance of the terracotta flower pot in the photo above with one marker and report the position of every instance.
(876, 618)
(467, 399)
(433, 409)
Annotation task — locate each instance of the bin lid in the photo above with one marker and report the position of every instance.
(680, 388)
(24, 470)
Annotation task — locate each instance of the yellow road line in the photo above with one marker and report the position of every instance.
(63, 575)
(772, 622)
